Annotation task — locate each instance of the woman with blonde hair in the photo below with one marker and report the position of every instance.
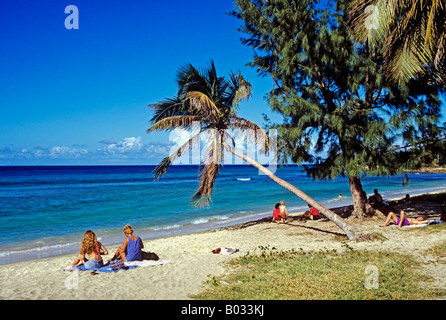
(131, 248)
(91, 246)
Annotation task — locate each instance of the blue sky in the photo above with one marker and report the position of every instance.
(80, 96)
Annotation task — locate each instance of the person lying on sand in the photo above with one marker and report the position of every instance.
(403, 220)
(131, 247)
(91, 246)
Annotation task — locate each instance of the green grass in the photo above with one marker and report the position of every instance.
(438, 250)
(326, 275)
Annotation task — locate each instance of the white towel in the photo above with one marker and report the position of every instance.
(145, 263)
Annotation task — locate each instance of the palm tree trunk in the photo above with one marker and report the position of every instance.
(358, 198)
(352, 232)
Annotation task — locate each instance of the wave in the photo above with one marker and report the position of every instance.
(210, 219)
(41, 248)
(243, 179)
(196, 221)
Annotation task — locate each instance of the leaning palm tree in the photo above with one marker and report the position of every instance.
(412, 33)
(212, 102)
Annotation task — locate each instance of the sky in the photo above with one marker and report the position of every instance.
(79, 96)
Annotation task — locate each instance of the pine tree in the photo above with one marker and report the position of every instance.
(340, 113)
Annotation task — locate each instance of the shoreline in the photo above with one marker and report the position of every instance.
(428, 170)
(52, 248)
(115, 239)
(189, 263)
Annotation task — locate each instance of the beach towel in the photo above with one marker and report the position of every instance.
(416, 226)
(107, 268)
(424, 225)
(127, 265)
(435, 221)
(145, 263)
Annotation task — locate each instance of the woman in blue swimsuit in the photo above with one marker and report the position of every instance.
(131, 249)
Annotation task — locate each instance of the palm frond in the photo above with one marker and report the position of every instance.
(165, 164)
(406, 54)
(369, 19)
(162, 167)
(239, 89)
(167, 108)
(203, 196)
(202, 105)
(190, 79)
(411, 31)
(252, 132)
(228, 137)
(209, 172)
(172, 123)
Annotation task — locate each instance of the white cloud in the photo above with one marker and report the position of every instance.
(128, 150)
(107, 141)
(66, 152)
(128, 145)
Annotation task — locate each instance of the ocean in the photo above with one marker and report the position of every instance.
(45, 210)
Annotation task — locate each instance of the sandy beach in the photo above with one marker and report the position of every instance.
(189, 263)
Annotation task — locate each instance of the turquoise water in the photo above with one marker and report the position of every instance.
(44, 211)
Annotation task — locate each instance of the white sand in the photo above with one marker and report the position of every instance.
(186, 272)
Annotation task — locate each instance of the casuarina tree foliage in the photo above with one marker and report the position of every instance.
(340, 113)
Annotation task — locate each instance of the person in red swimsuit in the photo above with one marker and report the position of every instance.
(276, 213)
(313, 214)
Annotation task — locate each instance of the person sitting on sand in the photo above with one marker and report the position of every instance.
(375, 198)
(91, 246)
(313, 214)
(283, 211)
(403, 220)
(406, 199)
(443, 216)
(131, 247)
(276, 213)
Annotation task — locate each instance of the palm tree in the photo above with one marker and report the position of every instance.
(412, 33)
(212, 101)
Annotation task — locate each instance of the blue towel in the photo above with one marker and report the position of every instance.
(105, 268)
(435, 221)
